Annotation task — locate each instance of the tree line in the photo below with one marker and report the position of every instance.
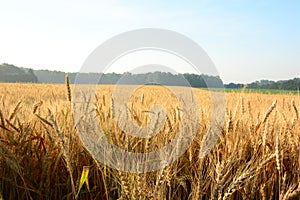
(11, 73)
(291, 84)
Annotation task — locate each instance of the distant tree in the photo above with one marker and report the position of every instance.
(11, 73)
(234, 85)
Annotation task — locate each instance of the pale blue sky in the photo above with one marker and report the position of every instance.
(247, 40)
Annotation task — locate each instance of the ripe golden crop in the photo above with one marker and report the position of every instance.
(41, 156)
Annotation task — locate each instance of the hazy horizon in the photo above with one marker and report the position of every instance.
(143, 72)
(247, 40)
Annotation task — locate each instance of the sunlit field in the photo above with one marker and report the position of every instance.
(41, 156)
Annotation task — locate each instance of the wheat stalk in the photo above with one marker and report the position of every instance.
(219, 172)
(125, 185)
(36, 106)
(65, 150)
(14, 112)
(68, 88)
(295, 109)
(2, 118)
(267, 114)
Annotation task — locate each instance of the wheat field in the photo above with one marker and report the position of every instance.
(41, 155)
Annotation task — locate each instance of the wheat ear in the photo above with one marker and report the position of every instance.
(68, 88)
(267, 114)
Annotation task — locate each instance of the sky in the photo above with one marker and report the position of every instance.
(246, 40)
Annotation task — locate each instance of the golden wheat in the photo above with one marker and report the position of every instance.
(42, 156)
